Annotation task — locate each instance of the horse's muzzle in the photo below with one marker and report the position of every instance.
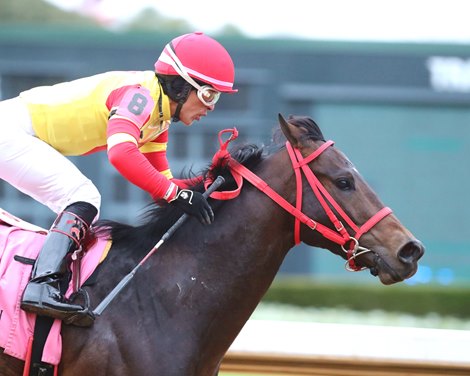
(404, 266)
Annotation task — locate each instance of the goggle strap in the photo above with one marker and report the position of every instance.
(181, 70)
(179, 67)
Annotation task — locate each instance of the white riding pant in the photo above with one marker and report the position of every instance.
(36, 168)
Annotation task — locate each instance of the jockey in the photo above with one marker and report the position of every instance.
(129, 115)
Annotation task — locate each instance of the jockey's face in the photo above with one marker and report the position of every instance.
(193, 109)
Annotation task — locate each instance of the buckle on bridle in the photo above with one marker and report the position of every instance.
(341, 228)
(312, 224)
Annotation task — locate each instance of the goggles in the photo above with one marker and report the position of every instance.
(206, 93)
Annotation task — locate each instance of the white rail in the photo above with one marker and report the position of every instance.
(281, 347)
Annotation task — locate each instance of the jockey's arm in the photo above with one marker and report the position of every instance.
(123, 134)
(137, 169)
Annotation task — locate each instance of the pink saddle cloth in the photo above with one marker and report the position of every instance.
(16, 325)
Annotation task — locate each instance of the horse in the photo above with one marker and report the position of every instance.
(188, 302)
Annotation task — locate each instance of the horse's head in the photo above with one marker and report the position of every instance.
(359, 227)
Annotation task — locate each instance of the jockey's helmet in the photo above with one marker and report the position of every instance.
(196, 56)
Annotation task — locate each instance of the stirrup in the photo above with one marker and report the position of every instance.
(85, 317)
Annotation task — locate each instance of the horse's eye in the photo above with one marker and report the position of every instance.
(344, 184)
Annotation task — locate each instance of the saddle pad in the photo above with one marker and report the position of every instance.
(16, 325)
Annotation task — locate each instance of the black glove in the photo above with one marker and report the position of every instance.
(194, 203)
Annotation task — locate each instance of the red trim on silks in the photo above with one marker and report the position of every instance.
(300, 164)
(27, 361)
(138, 169)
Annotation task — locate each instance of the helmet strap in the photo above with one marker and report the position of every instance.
(181, 98)
(176, 91)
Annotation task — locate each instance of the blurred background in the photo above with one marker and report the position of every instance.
(388, 82)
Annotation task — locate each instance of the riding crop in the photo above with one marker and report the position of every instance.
(123, 283)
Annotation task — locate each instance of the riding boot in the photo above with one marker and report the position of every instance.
(44, 294)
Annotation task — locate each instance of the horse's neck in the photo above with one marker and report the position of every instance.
(203, 283)
(237, 259)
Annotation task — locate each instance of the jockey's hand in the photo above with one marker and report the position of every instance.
(194, 203)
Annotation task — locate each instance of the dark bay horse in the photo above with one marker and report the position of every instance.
(189, 301)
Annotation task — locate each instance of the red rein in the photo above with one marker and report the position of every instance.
(300, 164)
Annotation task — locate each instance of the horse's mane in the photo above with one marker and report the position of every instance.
(159, 217)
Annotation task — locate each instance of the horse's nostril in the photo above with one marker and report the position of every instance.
(411, 252)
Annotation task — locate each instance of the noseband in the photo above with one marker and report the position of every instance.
(349, 243)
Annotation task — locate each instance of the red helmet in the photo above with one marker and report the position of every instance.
(199, 57)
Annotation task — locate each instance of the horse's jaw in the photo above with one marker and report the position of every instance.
(388, 275)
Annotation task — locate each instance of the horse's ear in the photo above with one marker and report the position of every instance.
(293, 134)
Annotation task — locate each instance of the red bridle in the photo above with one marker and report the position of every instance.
(300, 164)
